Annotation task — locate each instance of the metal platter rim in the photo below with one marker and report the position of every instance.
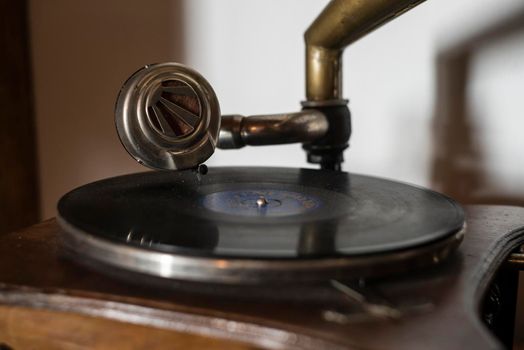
(252, 271)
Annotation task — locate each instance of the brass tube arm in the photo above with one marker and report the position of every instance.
(341, 23)
(237, 131)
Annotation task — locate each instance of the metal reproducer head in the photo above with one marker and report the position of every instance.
(168, 117)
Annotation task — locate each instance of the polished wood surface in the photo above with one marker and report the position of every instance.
(437, 308)
(29, 328)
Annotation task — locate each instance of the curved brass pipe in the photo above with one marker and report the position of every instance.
(341, 23)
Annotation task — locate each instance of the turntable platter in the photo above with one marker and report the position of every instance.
(254, 216)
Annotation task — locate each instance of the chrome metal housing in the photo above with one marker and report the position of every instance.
(156, 128)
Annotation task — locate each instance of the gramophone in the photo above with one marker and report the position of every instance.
(260, 257)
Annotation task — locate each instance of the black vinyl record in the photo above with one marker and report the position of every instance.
(260, 213)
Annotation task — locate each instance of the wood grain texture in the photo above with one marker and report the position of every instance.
(438, 307)
(18, 176)
(25, 328)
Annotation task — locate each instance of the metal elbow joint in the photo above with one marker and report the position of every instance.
(341, 23)
(237, 131)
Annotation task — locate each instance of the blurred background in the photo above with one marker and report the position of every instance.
(437, 96)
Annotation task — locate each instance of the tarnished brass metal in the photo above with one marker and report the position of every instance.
(517, 260)
(237, 131)
(341, 23)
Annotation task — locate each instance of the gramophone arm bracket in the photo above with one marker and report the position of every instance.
(323, 130)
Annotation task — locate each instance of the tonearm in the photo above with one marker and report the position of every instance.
(160, 134)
